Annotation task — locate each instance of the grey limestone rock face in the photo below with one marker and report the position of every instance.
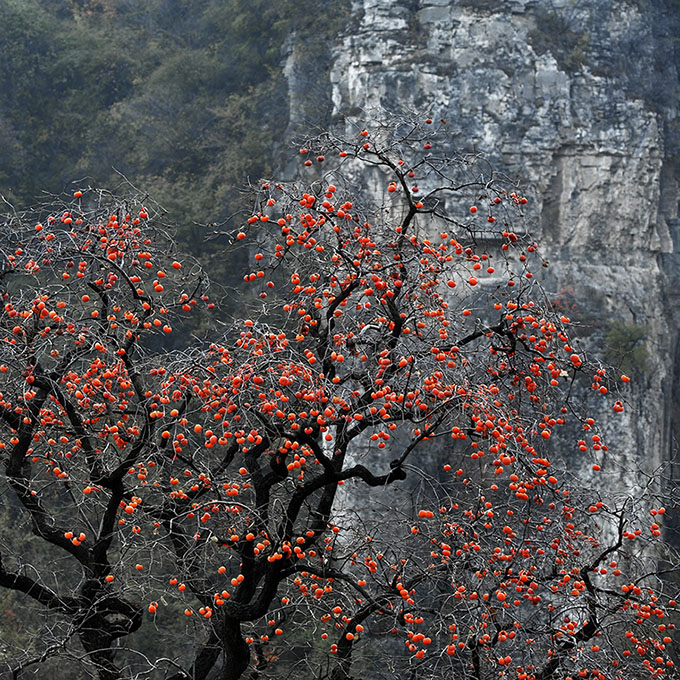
(580, 100)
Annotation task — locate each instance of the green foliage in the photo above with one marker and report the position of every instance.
(186, 99)
(625, 347)
(556, 33)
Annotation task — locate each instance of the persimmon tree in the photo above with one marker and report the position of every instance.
(81, 290)
(251, 489)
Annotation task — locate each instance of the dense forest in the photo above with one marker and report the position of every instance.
(184, 100)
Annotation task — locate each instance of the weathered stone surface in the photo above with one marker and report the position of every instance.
(581, 100)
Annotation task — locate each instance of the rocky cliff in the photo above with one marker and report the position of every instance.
(580, 100)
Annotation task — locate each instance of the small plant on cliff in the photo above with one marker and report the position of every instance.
(625, 347)
(561, 33)
(397, 326)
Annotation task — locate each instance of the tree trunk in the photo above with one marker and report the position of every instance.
(344, 661)
(236, 653)
(97, 645)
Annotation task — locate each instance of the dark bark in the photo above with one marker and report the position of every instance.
(104, 620)
(236, 652)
